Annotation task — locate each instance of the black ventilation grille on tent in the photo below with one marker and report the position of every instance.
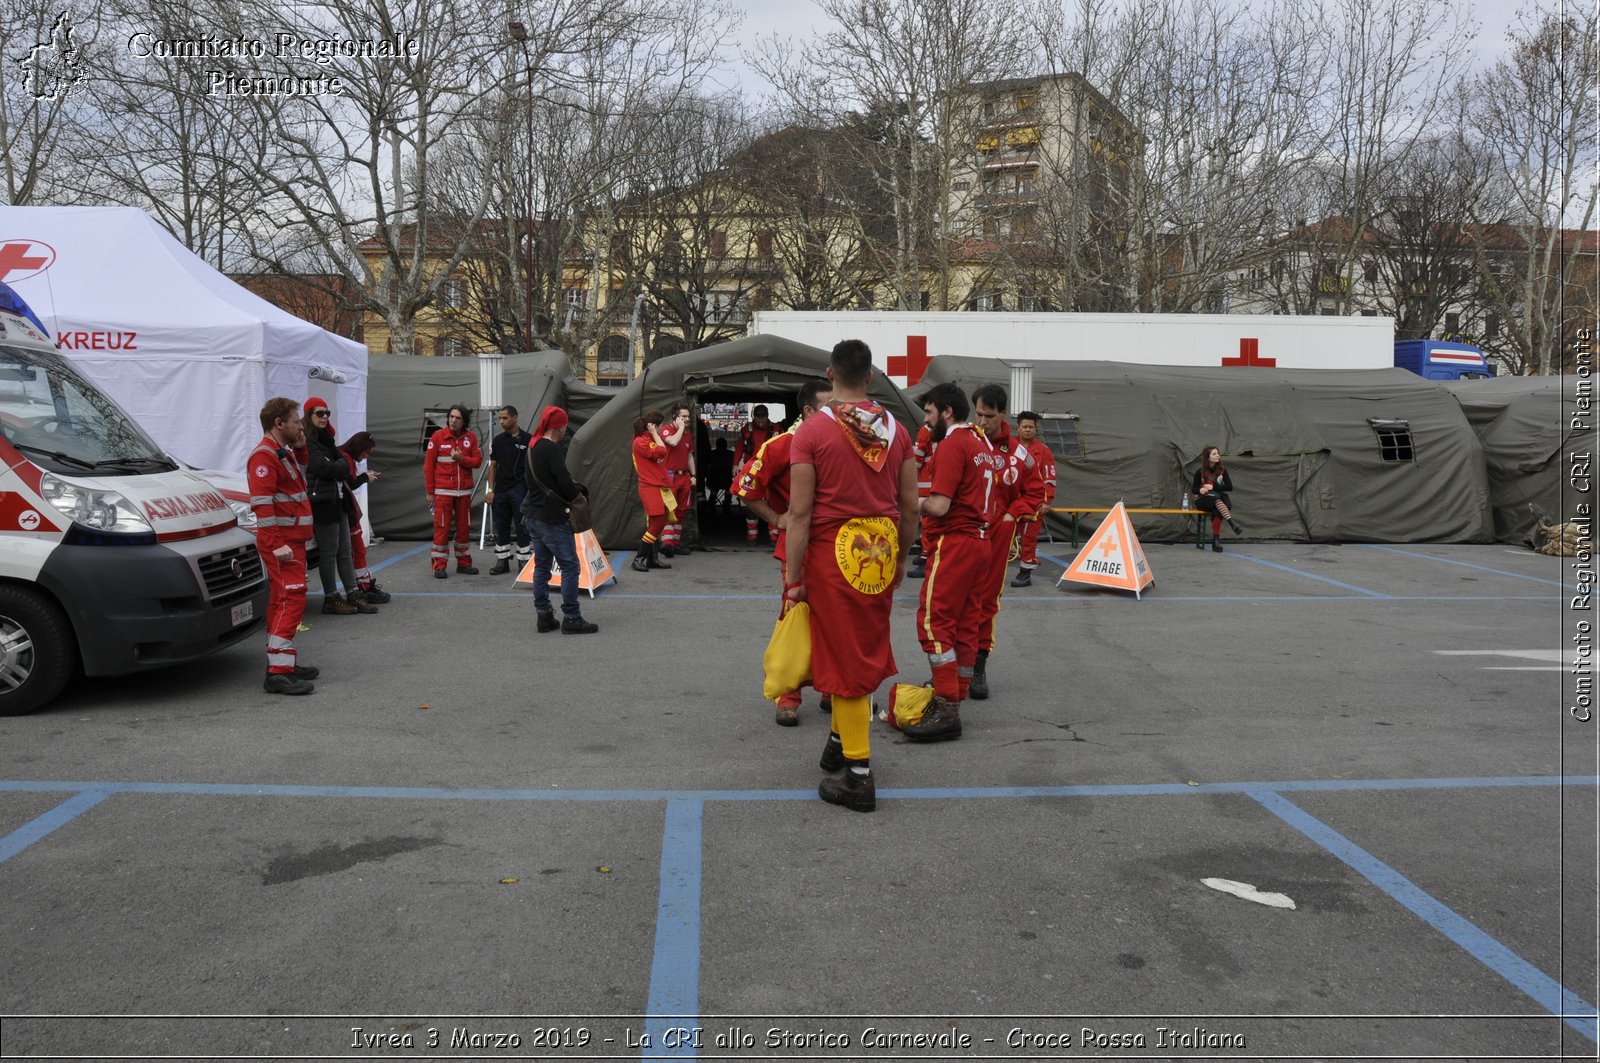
(1060, 433)
(1394, 439)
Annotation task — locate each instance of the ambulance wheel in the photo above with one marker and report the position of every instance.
(36, 651)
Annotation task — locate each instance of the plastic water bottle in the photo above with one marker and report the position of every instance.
(1185, 504)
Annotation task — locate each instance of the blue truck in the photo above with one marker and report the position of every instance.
(1442, 360)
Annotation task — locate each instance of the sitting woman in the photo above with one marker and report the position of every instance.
(1212, 486)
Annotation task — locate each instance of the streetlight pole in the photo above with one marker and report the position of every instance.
(519, 33)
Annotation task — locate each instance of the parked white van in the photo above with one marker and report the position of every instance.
(114, 558)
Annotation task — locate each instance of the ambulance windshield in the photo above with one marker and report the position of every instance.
(61, 422)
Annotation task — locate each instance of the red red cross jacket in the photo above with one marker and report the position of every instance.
(447, 466)
(278, 496)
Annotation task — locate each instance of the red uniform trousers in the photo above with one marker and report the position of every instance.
(1028, 535)
(286, 604)
(448, 510)
(993, 584)
(850, 651)
(947, 612)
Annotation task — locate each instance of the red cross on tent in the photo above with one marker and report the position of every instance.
(1248, 356)
(913, 363)
(15, 256)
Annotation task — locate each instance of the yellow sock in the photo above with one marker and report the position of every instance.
(852, 718)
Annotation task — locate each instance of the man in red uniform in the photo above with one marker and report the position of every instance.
(852, 513)
(751, 438)
(678, 436)
(453, 453)
(922, 450)
(283, 525)
(956, 518)
(1017, 492)
(655, 489)
(764, 488)
(1044, 469)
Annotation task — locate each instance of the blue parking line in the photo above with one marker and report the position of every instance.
(57, 817)
(1463, 564)
(1313, 575)
(1545, 991)
(674, 998)
(425, 793)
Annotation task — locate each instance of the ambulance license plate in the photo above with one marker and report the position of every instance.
(243, 612)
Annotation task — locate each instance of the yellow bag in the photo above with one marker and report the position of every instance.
(787, 661)
(907, 703)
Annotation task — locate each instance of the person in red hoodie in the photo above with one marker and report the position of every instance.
(655, 489)
(452, 454)
(1018, 492)
(282, 507)
(764, 489)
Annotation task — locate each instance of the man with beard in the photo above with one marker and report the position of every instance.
(279, 499)
(955, 520)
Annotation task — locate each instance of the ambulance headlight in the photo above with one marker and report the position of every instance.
(93, 507)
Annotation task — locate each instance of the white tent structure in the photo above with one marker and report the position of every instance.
(189, 353)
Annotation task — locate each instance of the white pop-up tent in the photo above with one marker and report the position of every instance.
(189, 353)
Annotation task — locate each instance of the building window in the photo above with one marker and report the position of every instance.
(962, 185)
(453, 294)
(764, 246)
(1452, 323)
(1369, 272)
(448, 347)
(719, 244)
(613, 357)
(924, 300)
(1491, 326)
(1394, 440)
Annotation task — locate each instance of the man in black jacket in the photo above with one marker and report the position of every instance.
(507, 473)
(550, 491)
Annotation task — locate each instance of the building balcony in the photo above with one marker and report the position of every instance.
(1010, 161)
(997, 200)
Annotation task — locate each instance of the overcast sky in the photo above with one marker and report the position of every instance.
(802, 18)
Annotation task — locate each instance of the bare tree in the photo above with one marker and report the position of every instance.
(1534, 114)
(902, 74)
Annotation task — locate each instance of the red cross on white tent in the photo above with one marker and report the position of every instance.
(1112, 557)
(907, 369)
(25, 256)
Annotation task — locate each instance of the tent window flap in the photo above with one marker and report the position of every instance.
(1394, 439)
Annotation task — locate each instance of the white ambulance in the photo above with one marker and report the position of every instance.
(114, 558)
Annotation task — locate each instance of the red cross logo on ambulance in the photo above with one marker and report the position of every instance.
(28, 520)
(24, 258)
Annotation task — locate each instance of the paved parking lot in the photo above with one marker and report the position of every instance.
(473, 834)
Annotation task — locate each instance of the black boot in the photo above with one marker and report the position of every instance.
(577, 625)
(941, 722)
(854, 789)
(654, 560)
(500, 568)
(978, 690)
(1235, 526)
(832, 754)
(1024, 578)
(548, 622)
(641, 560)
(1216, 544)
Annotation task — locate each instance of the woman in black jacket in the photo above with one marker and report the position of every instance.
(1211, 487)
(329, 483)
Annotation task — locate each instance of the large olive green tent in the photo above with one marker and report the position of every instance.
(401, 388)
(1529, 426)
(754, 369)
(1317, 455)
